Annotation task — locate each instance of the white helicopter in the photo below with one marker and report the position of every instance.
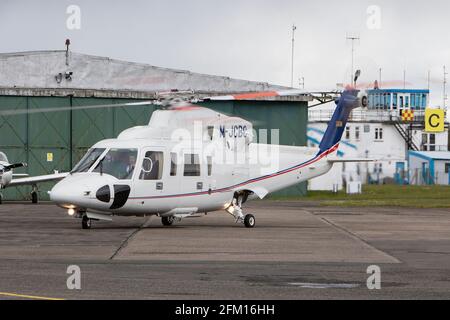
(190, 160)
(10, 179)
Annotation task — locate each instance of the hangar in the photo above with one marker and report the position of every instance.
(56, 141)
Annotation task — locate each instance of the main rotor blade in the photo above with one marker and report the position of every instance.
(256, 95)
(56, 109)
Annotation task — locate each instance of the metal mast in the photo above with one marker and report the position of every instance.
(292, 56)
(353, 58)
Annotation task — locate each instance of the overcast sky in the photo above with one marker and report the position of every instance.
(248, 39)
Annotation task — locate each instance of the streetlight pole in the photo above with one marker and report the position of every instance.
(353, 52)
(445, 89)
(292, 55)
(379, 81)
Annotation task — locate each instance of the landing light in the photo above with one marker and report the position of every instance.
(71, 211)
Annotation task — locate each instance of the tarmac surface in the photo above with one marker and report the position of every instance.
(296, 251)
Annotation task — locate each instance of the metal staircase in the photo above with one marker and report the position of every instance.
(406, 135)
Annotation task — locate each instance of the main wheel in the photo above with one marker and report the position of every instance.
(34, 197)
(86, 223)
(167, 221)
(249, 221)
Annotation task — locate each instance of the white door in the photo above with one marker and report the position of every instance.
(154, 183)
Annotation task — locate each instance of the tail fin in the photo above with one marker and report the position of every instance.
(346, 103)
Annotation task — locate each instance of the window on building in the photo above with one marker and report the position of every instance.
(428, 142)
(370, 100)
(366, 128)
(378, 134)
(357, 133)
(432, 138)
(407, 102)
(152, 166)
(347, 133)
(447, 167)
(173, 164)
(401, 102)
(424, 101)
(394, 101)
(413, 101)
(191, 165)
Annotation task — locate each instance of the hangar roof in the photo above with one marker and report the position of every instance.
(43, 73)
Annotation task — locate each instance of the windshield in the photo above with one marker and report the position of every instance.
(3, 157)
(119, 163)
(88, 160)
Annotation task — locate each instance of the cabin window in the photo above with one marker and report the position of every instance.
(173, 164)
(152, 166)
(191, 165)
(209, 161)
(118, 163)
(210, 132)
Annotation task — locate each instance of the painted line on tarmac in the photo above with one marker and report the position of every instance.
(16, 295)
(312, 285)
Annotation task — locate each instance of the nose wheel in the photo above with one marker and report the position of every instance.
(86, 223)
(167, 221)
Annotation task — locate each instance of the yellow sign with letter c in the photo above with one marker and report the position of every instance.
(434, 120)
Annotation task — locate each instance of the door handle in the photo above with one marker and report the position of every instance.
(159, 186)
(199, 185)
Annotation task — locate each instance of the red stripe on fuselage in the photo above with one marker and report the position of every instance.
(302, 165)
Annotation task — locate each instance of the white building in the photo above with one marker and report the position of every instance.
(378, 132)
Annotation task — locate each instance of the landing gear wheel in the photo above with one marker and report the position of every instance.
(34, 197)
(167, 221)
(86, 223)
(1, 198)
(249, 221)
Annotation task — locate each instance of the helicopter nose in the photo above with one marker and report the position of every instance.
(90, 191)
(68, 193)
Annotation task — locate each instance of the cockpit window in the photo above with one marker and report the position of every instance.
(3, 157)
(88, 160)
(119, 163)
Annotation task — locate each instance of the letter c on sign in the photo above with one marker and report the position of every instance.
(431, 123)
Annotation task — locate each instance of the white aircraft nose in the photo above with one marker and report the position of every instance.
(69, 193)
(89, 190)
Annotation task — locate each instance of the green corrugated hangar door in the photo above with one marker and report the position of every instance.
(92, 125)
(42, 140)
(57, 140)
(13, 138)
